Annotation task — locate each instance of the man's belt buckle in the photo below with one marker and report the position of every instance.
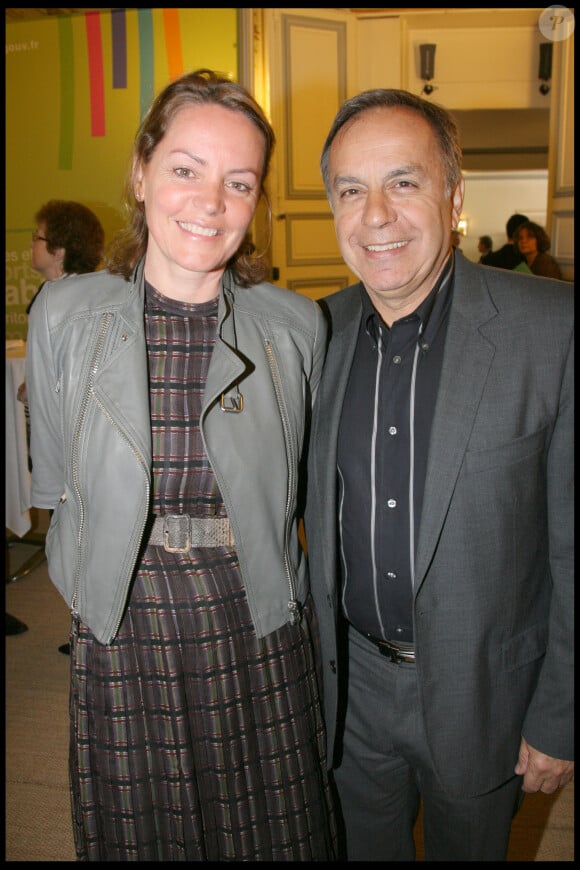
(177, 533)
(397, 654)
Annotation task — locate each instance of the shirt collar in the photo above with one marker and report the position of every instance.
(429, 313)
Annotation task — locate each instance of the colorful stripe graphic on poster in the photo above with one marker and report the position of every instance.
(76, 89)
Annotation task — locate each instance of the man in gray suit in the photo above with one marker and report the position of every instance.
(440, 506)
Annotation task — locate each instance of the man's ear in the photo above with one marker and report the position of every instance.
(457, 202)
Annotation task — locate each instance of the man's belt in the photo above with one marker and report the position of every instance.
(178, 533)
(395, 651)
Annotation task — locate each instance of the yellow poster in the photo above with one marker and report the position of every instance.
(77, 87)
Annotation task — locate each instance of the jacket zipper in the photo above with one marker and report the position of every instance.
(293, 603)
(93, 370)
(75, 451)
(146, 502)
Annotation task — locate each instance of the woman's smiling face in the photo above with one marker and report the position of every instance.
(200, 191)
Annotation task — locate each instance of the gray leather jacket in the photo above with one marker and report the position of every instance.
(88, 393)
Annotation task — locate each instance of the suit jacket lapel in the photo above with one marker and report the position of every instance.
(467, 359)
(336, 374)
(346, 311)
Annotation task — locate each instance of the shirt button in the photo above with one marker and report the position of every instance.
(392, 430)
(392, 503)
(396, 360)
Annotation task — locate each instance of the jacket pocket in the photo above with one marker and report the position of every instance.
(525, 647)
(506, 454)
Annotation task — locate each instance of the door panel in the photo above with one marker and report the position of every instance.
(307, 58)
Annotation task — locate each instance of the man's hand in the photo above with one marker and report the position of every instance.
(542, 772)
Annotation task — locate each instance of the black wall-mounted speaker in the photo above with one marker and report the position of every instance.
(545, 72)
(427, 61)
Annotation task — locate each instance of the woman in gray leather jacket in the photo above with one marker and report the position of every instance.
(170, 400)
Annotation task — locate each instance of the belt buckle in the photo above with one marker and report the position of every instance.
(391, 653)
(394, 653)
(177, 533)
(400, 655)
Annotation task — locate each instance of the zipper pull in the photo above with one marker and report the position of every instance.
(295, 614)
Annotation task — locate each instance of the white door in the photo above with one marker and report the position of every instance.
(307, 57)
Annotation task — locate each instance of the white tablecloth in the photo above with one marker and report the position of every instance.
(18, 478)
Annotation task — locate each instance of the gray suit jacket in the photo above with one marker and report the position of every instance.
(493, 599)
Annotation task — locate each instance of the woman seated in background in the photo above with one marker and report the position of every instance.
(69, 239)
(533, 242)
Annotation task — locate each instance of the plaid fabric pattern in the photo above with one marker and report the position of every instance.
(192, 739)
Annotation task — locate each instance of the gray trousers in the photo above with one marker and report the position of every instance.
(386, 771)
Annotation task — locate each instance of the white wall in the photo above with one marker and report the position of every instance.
(492, 197)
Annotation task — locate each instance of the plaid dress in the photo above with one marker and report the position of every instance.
(191, 738)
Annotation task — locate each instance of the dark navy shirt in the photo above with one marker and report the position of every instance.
(382, 459)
